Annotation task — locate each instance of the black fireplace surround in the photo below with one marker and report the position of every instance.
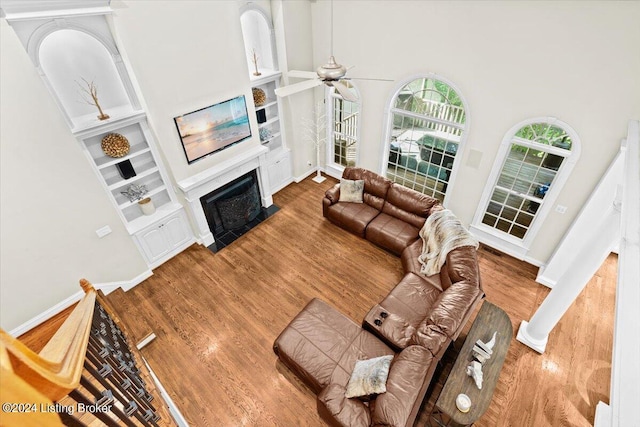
(234, 209)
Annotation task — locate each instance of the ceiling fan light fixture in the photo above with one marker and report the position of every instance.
(331, 70)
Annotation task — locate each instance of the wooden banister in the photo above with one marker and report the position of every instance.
(15, 391)
(57, 369)
(88, 368)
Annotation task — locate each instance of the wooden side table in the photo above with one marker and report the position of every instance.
(490, 319)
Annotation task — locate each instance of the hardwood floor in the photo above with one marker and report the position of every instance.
(216, 317)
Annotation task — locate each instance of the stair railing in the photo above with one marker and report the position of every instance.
(87, 374)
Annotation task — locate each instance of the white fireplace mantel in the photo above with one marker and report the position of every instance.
(215, 177)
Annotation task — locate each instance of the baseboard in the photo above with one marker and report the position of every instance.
(543, 280)
(173, 408)
(281, 186)
(603, 415)
(334, 172)
(136, 280)
(46, 315)
(533, 261)
(106, 288)
(307, 174)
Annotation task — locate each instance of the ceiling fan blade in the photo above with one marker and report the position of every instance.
(297, 87)
(345, 92)
(365, 78)
(302, 74)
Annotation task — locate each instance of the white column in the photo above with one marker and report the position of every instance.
(603, 236)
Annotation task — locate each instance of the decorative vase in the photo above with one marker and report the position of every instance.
(146, 206)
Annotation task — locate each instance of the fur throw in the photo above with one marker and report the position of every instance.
(442, 232)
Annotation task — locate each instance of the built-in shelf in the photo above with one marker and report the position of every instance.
(269, 122)
(279, 157)
(271, 138)
(268, 104)
(271, 111)
(65, 43)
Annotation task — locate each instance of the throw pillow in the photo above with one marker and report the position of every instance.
(369, 377)
(351, 191)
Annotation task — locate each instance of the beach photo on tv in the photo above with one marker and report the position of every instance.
(213, 128)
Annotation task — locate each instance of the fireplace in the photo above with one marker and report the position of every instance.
(234, 209)
(233, 205)
(202, 185)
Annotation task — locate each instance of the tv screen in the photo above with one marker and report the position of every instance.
(214, 128)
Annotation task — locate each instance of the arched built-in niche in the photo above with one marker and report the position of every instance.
(66, 51)
(258, 35)
(71, 58)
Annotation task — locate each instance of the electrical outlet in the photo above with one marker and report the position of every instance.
(101, 232)
(561, 209)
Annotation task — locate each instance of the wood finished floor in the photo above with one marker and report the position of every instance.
(217, 315)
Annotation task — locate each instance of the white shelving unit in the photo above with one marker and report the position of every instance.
(47, 34)
(143, 158)
(279, 156)
(164, 233)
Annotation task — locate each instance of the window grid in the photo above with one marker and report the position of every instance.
(344, 129)
(426, 133)
(535, 155)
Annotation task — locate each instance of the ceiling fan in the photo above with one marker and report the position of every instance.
(329, 74)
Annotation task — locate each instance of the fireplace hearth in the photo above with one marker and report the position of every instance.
(234, 209)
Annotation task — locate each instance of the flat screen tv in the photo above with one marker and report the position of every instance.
(214, 128)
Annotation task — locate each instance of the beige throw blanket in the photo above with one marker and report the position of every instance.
(442, 232)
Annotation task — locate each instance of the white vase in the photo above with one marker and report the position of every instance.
(146, 206)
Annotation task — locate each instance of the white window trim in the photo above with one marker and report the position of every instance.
(500, 240)
(388, 127)
(332, 168)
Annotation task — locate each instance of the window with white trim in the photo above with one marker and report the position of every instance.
(534, 162)
(427, 125)
(342, 128)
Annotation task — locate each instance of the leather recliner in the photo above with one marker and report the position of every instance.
(416, 322)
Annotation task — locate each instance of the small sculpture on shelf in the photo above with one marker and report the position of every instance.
(115, 145)
(92, 91)
(137, 193)
(259, 97)
(254, 59)
(265, 135)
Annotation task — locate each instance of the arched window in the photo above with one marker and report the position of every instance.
(534, 161)
(427, 123)
(342, 130)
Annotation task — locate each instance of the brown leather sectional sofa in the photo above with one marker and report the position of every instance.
(416, 322)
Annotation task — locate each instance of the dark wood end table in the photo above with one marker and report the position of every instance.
(490, 319)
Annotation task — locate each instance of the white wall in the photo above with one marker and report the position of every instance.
(292, 24)
(577, 61)
(185, 55)
(51, 203)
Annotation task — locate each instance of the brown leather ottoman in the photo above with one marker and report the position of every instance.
(321, 346)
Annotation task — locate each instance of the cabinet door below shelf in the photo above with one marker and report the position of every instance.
(154, 243)
(165, 238)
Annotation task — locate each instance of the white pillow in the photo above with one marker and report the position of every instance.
(351, 191)
(369, 377)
